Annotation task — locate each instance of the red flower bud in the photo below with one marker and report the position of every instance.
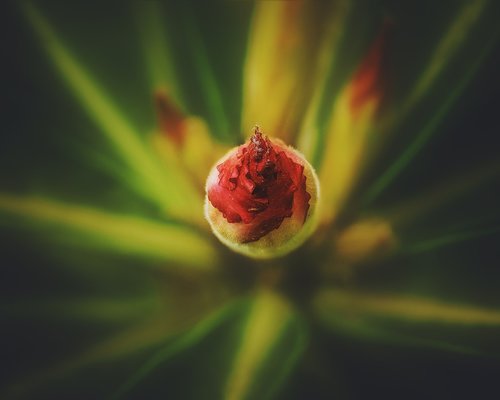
(260, 196)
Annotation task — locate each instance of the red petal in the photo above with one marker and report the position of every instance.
(260, 185)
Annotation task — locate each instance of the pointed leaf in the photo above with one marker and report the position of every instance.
(457, 33)
(183, 202)
(157, 50)
(465, 20)
(328, 53)
(281, 64)
(184, 142)
(184, 341)
(450, 238)
(209, 88)
(351, 123)
(118, 233)
(257, 371)
(409, 320)
(180, 317)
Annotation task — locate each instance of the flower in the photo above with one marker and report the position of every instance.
(126, 293)
(260, 196)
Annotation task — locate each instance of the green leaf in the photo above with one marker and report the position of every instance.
(454, 38)
(328, 56)
(458, 35)
(291, 47)
(209, 89)
(415, 208)
(150, 178)
(158, 53)
(449, 238)
(188, 339)
(175, 320)
(407, 320)
(124, 234)
(244, 351)
(263, 361)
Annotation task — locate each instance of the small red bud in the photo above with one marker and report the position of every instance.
(260, 197)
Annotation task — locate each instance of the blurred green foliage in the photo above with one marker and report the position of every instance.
(87, 311)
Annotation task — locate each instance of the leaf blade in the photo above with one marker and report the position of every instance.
(184, 202)
(409, 321)
(125, 234)
(267, 321)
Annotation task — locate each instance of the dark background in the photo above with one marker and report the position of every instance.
(43, 130)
